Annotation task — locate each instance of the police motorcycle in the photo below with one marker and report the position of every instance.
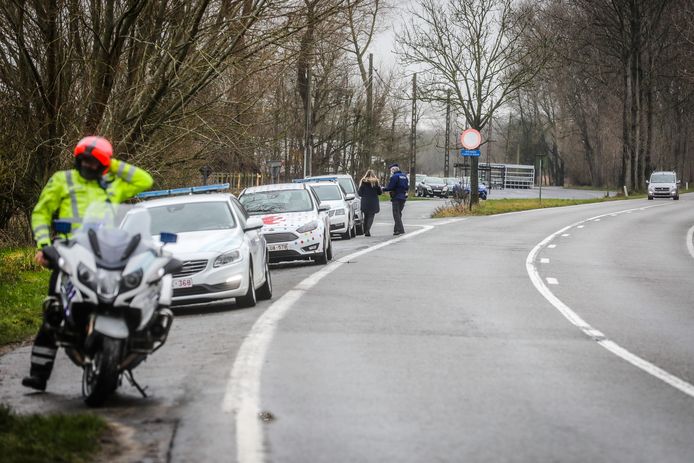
(114, 288)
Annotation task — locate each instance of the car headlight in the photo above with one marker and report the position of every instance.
(86, 276)
(227, 258)
(340, 212)
(312, 225)
(131, 281)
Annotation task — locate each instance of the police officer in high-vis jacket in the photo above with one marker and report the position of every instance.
(67, 195)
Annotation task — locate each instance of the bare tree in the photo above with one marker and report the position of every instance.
(471, 48)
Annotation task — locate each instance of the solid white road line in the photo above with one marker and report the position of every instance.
(690, 245)
(242, 395)
(591, 332)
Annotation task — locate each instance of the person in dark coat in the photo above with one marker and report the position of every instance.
(369, 190)
(398, 186)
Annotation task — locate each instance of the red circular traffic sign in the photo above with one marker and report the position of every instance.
(470, 139)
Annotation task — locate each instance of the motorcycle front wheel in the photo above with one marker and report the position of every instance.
(100, 378)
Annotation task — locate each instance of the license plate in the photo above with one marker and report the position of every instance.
(277, 247)
(183, 283)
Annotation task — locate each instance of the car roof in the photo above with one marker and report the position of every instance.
(275, 187)
(197, 198)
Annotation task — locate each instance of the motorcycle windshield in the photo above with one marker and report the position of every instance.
(113, 240)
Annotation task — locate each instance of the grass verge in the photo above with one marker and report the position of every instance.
(38, 438)
(22, 288)
(501, 206)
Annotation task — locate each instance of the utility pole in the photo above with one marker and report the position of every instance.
(413, 136)
(447, 148)
(369, 115)
(489, 149)
(308, 138)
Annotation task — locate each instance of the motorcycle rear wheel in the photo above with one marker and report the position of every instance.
(100, 378)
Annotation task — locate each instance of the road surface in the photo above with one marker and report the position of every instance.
(550, 335)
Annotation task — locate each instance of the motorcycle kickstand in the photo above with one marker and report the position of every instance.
(131, 379)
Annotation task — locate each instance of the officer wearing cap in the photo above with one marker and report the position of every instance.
(398, 186)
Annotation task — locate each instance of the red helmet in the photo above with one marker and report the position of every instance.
(97, 147)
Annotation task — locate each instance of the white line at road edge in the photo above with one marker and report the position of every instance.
(690, 245)
(591, 332)
(242, 395)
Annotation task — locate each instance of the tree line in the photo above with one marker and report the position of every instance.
(600, 88)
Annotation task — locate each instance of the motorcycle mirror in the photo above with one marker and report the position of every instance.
(168, 238)
(173, 266)
(62, 227)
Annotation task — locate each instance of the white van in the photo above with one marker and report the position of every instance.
(663, 184)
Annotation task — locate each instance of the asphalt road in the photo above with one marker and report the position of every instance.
(484, 339)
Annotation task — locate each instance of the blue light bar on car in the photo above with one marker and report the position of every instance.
(183, 191)
(314, 179)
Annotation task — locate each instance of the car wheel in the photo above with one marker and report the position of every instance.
(322, 258)
(330, 250)
(248, 300)
(348, 234)
(353, 231)
(265, 292)
(360, 227)
(676, 197)
(650, 198)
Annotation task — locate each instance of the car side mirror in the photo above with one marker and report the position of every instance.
(648, 182)
(323, 208)
(349, 196)
(253, 223)
(679, 181)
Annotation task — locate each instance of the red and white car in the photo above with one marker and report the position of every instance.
(295, 225)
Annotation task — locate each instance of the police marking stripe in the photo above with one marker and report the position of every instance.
(40, 360)
(41, 228)
(130, 174)
(121, 167)
(73, 194)
(43, 350)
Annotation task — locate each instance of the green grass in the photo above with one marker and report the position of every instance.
(23, 286)
(55, 438)
(501, 206)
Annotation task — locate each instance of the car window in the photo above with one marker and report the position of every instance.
(347, 184)
(663, 177)
(277, 201)
(327, 192)
(190, 217)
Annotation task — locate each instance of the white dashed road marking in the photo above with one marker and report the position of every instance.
(552, 246)
(690, 245)
(552, 281)
(544, 260)
(590, 331)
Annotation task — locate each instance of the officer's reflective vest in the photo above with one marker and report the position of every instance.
(67, 195)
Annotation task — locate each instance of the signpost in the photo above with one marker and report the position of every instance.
(471, 153)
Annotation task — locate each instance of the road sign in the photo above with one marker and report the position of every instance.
(470, 139)
(470, 153)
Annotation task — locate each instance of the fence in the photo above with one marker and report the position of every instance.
(510, 176)
(238, 180)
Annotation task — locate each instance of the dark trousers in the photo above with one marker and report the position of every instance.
(368, 222)
(398, 206)
(45, 348)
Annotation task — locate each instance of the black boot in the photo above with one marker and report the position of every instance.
(35, 382)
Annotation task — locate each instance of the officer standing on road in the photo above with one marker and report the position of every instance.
(67, 195)
(397, 187)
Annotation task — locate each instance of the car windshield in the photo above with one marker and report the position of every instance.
(434, 180)
(451, 180)
(191, 217)
(663, 177)
(327, 192)
(268, 202)
(346, 185)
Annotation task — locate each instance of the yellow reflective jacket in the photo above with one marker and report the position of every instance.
(67, 195)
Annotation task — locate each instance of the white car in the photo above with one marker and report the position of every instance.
(222, 248)
(341, 211)
(295, 224)
(347, 183)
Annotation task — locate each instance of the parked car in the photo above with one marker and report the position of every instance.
(223, 252)
(431, 186)
(663, 184)
(448, 188)
(347, 183)
(341, 214)
(295, 225)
